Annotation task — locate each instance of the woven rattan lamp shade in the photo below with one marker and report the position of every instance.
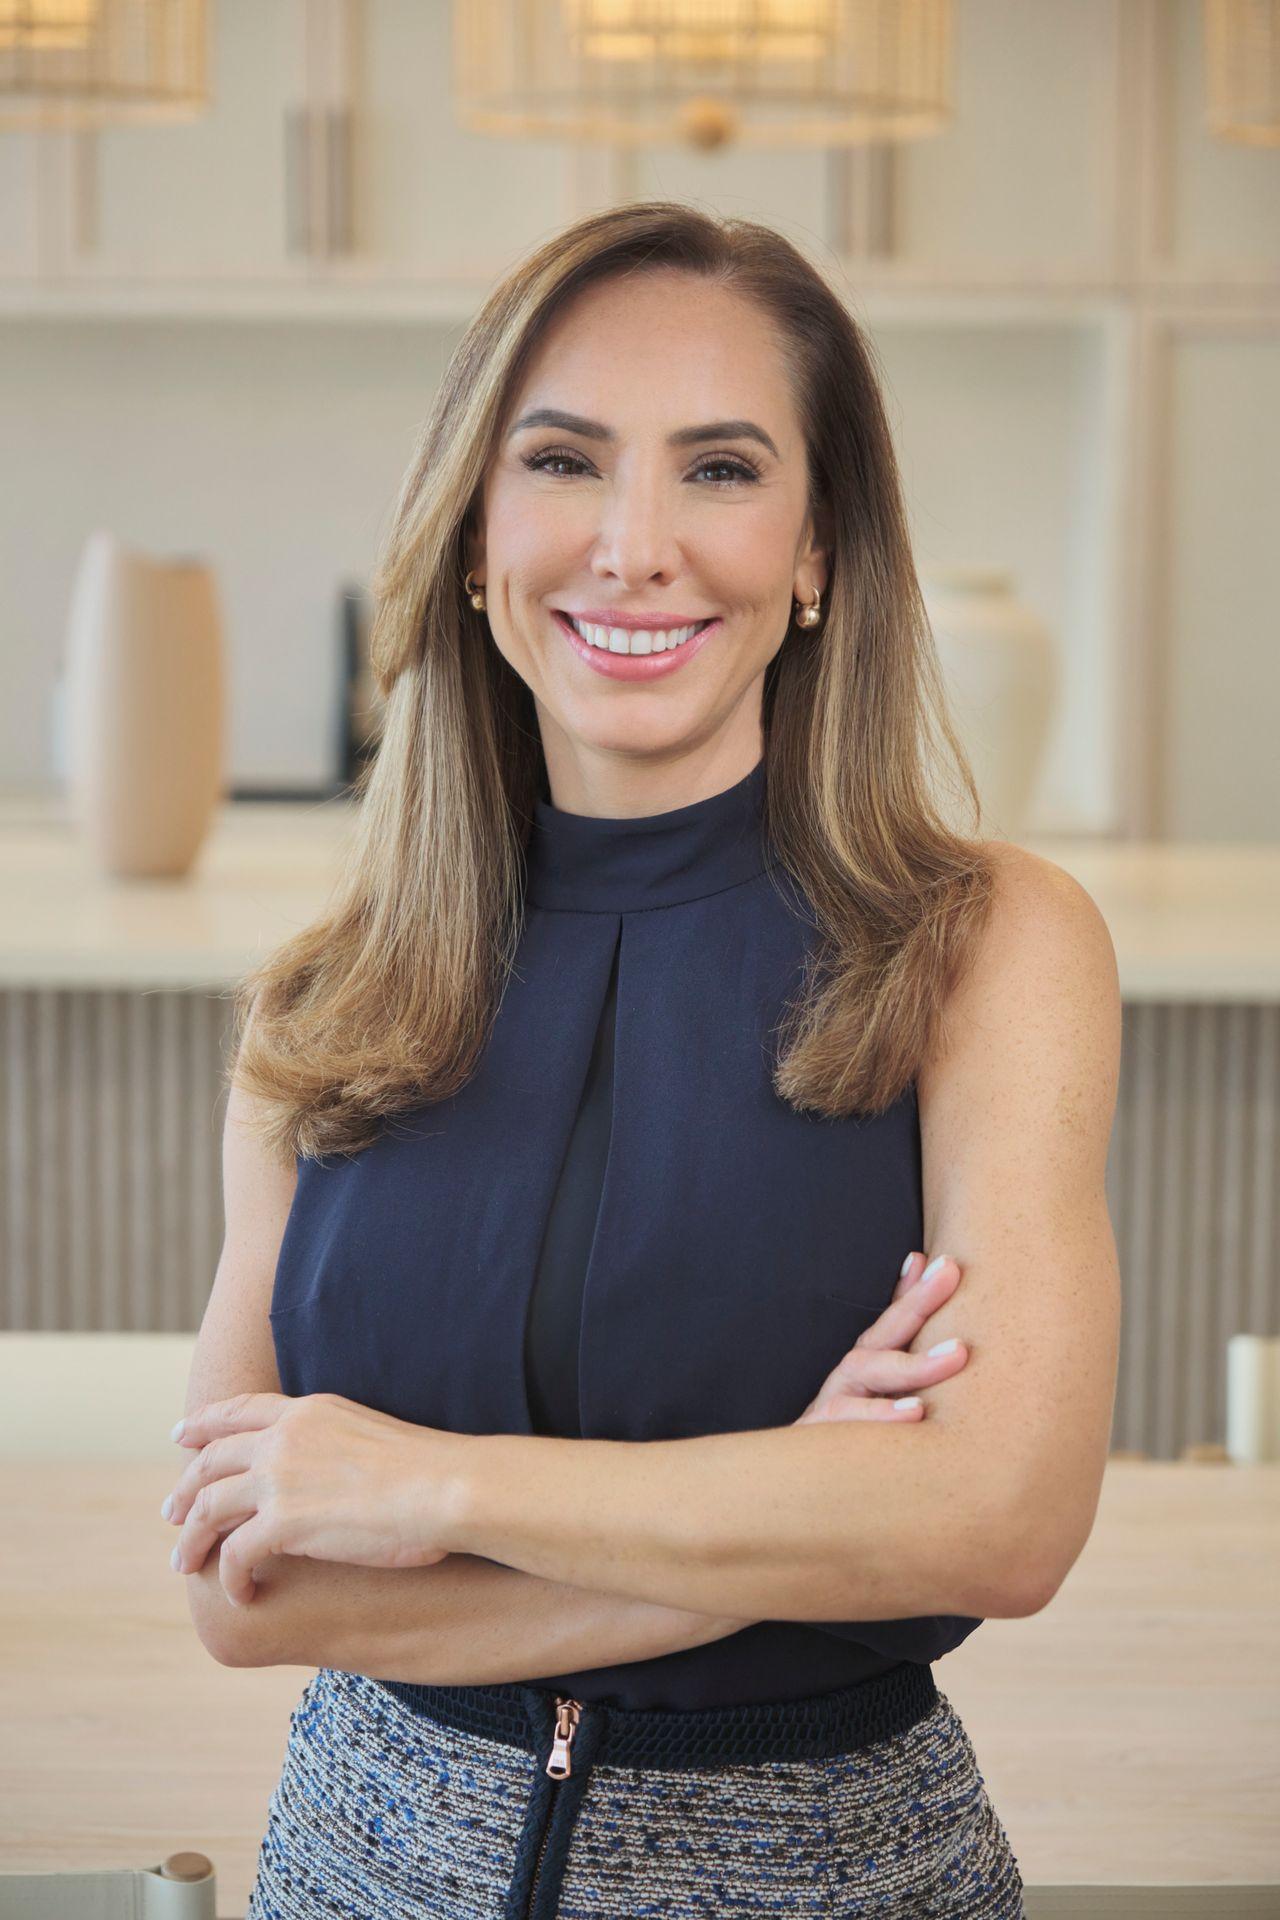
(756, 72)
(88, 63)
(1242, 70)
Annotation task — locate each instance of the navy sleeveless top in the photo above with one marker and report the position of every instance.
(616, 1229)
(555, 1310)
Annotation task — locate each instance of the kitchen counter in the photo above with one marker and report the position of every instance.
(263, 872)
(1190, 921)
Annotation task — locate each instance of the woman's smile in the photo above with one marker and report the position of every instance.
(635, 655)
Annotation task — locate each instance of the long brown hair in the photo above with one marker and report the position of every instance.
(386, 1000)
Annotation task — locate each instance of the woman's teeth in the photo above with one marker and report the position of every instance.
(635, 640)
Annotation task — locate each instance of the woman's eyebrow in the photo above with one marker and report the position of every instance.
(682, 437)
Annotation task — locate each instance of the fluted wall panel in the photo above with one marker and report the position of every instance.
(110, 1157)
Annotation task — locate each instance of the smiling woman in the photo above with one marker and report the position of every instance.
(659, 1019)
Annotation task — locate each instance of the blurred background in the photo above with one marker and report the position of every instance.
(238, 244)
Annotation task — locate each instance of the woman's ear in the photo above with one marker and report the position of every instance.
(817, 556)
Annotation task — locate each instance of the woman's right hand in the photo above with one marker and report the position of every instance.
(877, 1370)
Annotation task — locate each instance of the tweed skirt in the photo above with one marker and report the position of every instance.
(506, 1802)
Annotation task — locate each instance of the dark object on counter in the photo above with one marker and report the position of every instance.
(359, 705)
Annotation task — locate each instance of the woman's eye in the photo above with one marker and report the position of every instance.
(741, 470)
(543, 462)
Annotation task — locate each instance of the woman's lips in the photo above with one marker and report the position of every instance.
(632, 666)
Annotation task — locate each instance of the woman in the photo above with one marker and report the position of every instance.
(577, 1142)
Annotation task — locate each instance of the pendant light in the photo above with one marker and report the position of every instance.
(93, 63)
(774, 73)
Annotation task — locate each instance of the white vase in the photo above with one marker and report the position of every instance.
(1000, 665)
(143, 707)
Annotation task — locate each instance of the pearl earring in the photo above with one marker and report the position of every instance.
(810, 616)
(476, 593)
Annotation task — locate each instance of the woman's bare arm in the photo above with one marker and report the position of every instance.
(464, 1619)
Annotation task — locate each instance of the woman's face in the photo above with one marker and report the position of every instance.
(633, 508)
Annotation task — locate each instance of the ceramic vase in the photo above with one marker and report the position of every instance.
(1000, 666)
(143, 707)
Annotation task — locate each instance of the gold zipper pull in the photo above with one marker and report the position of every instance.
(568, 1713)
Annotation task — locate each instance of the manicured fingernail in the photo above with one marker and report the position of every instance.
(911, 1401)
(175, 1559)
(902, 1270)
(176, 1433)
(167, 1508)
(933, 1266)
(943, 1346)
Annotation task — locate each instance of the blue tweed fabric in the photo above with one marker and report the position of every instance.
(387, 1812)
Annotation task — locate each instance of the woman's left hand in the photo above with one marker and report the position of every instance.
(315, 1475)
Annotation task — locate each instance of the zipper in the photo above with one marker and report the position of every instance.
(559, 1766)
(568, 1714)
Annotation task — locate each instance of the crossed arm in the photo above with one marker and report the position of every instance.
(982, 1508)
(470, 1619)
(465, 1621)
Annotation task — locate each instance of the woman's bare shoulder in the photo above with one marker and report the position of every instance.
(1043, 970)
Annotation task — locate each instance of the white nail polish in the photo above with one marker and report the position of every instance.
(902, 1270)
(911, 1401)
(943, 1346)
(932, 1267)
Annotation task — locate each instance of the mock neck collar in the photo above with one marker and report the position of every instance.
(604, 864)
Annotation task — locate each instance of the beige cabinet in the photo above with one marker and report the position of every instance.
(330, 155)
(432, 202)
(19, 203)
(200, 200)
(1215, 204)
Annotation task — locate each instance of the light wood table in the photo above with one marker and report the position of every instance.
(1129, 1733)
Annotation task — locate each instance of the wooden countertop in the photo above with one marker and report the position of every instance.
(1127, 1734)
(1190, 921)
